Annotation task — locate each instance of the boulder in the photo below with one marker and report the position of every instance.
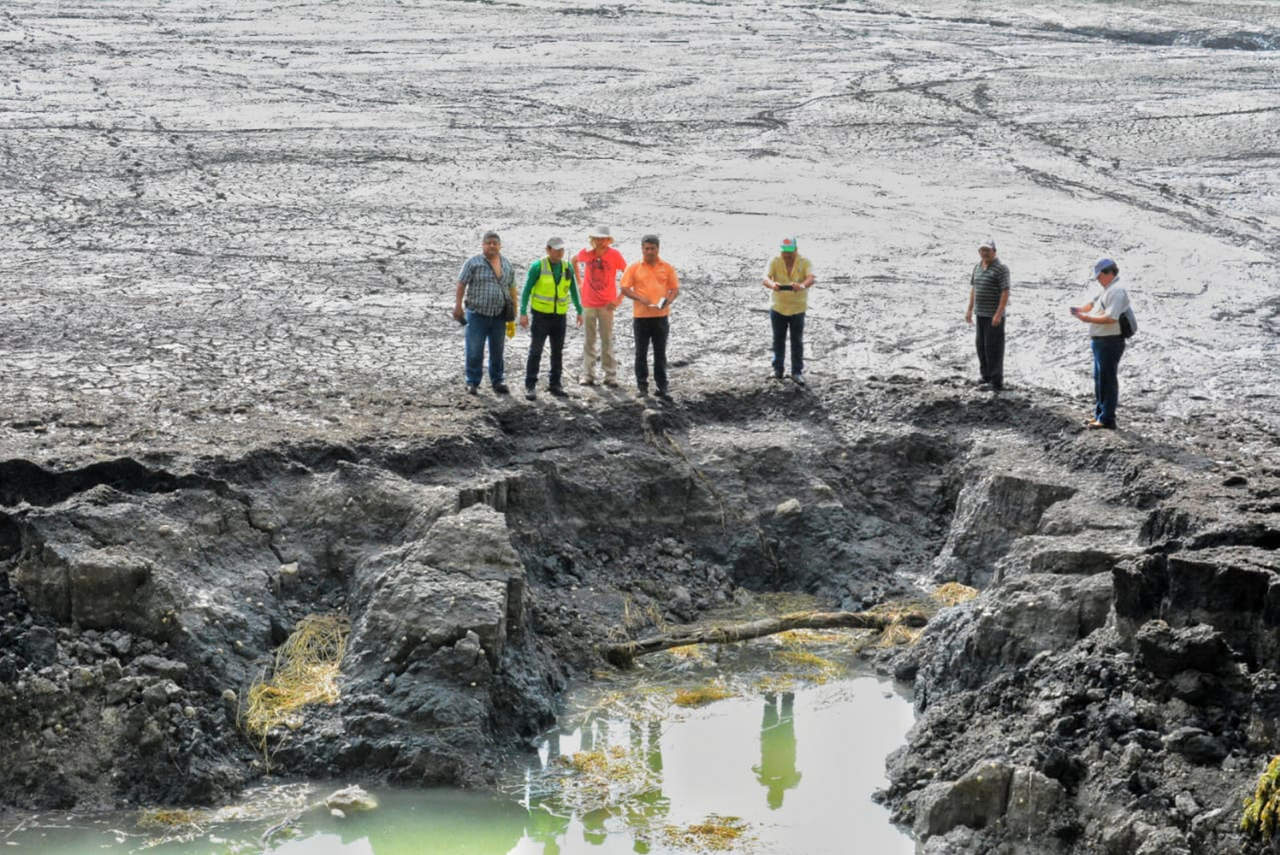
(1196, 745)
(976, 800)
(1166, 651)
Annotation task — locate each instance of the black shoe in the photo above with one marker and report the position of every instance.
(664, 394)
(984, 386)
(501, 389)
(558, 392)
(530, 394)
(642, 391)
(471, 388)
(798, 379)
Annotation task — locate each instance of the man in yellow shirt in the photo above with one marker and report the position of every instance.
(789, 277)
(652, 286)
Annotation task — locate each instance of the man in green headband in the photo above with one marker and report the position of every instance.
(789, 277)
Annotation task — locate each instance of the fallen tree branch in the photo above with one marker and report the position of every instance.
(622, 654)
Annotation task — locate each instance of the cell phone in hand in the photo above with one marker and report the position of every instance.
(786, 287)
(1075, 311)
(662, 301)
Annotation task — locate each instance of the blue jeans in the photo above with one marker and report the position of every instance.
(781, 324)
(1106, 384)
(480, 328)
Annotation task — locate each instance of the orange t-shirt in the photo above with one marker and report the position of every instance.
(651, 282)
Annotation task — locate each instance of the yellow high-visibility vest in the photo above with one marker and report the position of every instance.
(547, 295)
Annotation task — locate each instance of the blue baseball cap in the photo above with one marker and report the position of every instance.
(1104, 264)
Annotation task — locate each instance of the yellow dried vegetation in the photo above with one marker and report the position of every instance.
(953, 594)
(692, 652)
(715, 834)
(169, 818)
(808, 665)
(805, 637)
(1262, 809)
(306, 672)
(898, 634)
(701, 696)
(604, 779)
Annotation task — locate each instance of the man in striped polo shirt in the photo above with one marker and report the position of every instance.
(988, 296)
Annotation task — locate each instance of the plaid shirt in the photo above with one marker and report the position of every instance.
(486, 294)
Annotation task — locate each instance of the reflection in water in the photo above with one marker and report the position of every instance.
(658, 774)
(777, 769)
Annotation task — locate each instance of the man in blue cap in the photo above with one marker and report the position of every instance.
(988, 296)
(1107, 340)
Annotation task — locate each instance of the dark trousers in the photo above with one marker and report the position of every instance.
(781, 325)
(651, 330)
(544, 325)
(990, 343)
(1107, 351)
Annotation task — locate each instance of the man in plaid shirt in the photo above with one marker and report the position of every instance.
(488, 282)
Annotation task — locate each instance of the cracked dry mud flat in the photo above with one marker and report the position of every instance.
(230, 238)
(224, 222)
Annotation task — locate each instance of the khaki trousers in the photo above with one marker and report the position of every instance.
(598, 322)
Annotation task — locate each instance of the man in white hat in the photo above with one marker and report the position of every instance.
(599, 268)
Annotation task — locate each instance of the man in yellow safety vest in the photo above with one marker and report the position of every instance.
(549, 287)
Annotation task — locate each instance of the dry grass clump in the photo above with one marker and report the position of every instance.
(692, 652)
(306, 672)
(1262, 809)
(803, 637)
(169, 818)
(953, 594)
(701, 696)
(715, 834)
(812, 667)
(773, 683)
(898, 634)
(604, 778)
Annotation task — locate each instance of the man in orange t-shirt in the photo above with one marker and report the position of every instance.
(652, 285)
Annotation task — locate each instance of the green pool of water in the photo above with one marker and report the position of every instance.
(798, 769)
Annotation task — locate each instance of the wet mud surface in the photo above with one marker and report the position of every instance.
(229, 224)
(232, 394)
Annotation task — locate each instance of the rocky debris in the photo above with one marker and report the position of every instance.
(1144, 693)
(1112, 704)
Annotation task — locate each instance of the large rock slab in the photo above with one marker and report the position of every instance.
(991, 513)
(1008, 626)
(1234, 590)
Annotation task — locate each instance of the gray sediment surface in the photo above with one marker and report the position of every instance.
(233, 391)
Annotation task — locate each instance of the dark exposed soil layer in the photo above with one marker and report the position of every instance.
(1119, 666)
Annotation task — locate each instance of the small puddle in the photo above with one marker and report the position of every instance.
(786, 763)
